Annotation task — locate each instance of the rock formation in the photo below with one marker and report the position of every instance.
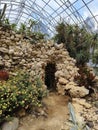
(18, 53)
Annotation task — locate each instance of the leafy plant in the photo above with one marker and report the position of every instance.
(22, 28)
(31, 24)
(86, 78)
(76, 40)
(36, 36)
(75, 124)
(14, 27)
(28, 33)
(17, 93)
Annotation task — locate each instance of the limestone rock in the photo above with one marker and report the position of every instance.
(7, 34)
(11, 125)
(82, 102)
(8, 64)
(0, 57)
(49, 52)
(59, 46)
(1, 63)
(4, 50)
(60, 90)
(18, 52)
(11, 51)
(7, 41)
(65, 53)
(59, 74)
(22, 61)
(16, 39)
(12, 37)
(18, 36)
(70, 85)
(63, 81)
(6, 57)
(13, 32)
(96, 104)
(78, 91)
(50, 43)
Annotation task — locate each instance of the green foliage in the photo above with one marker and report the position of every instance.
(77, 41)
(86, 78)
(14, 27)
(75, 124)
(22, 28)
(95, 57)
(19, 92)
(34, 37)
(31, 24)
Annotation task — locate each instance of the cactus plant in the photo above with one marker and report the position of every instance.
(75, 124)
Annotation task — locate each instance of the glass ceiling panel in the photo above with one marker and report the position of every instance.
(49, 12)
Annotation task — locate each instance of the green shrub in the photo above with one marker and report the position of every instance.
(18, 92)
(86, 78)
(76, 40)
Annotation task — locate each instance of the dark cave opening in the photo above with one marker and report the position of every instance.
(50, 81)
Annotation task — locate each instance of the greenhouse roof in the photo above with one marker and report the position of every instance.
(49, 12)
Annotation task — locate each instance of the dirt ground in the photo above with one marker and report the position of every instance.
(53, 118)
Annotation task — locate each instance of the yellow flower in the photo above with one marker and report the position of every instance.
(0, 112)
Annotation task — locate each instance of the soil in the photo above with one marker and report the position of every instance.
(52, 117)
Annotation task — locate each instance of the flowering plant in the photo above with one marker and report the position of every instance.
(18, 92)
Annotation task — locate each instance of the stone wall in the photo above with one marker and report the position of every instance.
(18, 53)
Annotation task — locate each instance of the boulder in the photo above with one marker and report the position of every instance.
(11, 125)
(59, 74)
(6, 57)
(4, 50)
(12, 37)
(60, 90)
(82, 102)
(70, 85)
(59, 46)
(78, 92)
(0, 57)
(7, 64)
(96, 104)
(11, 51)
(63, 81)
(1, 63)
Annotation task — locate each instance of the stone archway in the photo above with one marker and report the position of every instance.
(50, 80)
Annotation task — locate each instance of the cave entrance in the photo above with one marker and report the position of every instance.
(50, 81)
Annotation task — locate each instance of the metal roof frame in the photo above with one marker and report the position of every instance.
(42, 10)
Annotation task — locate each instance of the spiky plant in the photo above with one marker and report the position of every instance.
(22, 28)
(77, 41)
(75, 125)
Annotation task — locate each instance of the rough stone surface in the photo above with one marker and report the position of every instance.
(96, 104)
(82, 102)
(63, 81)
(18, 53)
(78, 91)
(11, 125)
(86, 112)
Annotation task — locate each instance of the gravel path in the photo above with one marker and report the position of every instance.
(57, 115)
